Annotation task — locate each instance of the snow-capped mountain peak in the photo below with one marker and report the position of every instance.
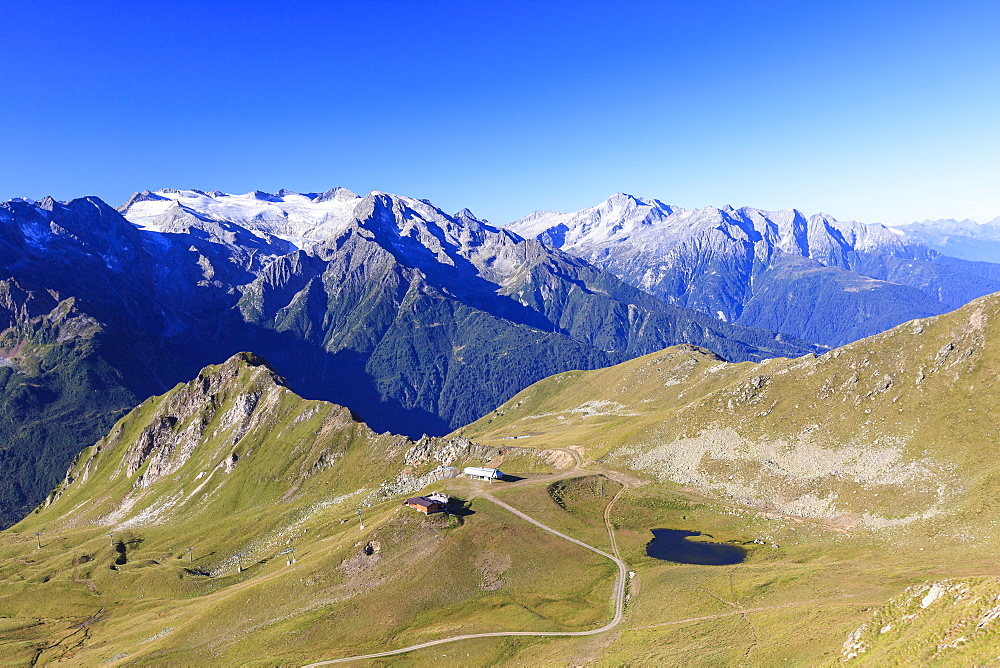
(728, 261)
(655, 228)
(295, 217)
(616, 218)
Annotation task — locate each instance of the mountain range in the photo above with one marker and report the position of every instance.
(418, 320)
(177, 499)
(813, 277)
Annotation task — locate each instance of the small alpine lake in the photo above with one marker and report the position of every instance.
(673, 545)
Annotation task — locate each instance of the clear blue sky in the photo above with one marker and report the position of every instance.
(880, 111)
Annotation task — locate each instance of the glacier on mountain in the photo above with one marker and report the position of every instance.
(300, 219)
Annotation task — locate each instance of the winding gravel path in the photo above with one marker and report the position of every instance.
(619, 593)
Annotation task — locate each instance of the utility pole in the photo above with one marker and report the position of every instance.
(112, 537)
(38, 540)
(190, 552)
(361, 520)
(239, 562)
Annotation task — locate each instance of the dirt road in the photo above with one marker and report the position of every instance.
(619, 591)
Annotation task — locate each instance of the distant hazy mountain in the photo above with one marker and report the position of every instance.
(418, 320)
(816, 278)
(964, 239)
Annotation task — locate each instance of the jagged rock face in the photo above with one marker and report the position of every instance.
(19, 306)
(206, 419)
(817, 278)
(170, 439)
(156, 437)
(40, 317)
(448, 451)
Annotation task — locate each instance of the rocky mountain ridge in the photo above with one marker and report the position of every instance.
(814, 277)
(235, 415)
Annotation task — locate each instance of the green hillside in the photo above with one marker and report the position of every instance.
(886, 447)
(860, 484)
(241, 469)
(890, 431)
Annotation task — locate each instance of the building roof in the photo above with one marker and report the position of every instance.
(422, 501)
(482, 472)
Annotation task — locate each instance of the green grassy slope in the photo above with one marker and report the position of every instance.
(241, 469)
(857, 482)
(872, 468)
(879, 433)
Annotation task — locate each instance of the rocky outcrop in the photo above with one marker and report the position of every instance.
(449, 454)
(447, 451)
(171, 437)
(944, 622)
(156, 436)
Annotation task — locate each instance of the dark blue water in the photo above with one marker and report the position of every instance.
(673, 545)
